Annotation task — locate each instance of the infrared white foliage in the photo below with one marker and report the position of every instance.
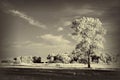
(89, 33)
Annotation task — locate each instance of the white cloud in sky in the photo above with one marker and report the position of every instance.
(66, 23)
(52, 39)
(84, 10)
(27, 18)
(46, 48)
(42, 46)
(21, 44)
(69, 34)
(60, 29)
(39, 48)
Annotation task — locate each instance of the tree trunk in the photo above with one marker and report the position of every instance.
(89, 59)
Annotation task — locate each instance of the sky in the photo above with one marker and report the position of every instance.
(41, 27)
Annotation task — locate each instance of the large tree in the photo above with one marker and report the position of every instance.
(89, 33)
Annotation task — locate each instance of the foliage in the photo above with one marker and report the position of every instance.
(89, 33)
(59, 58)
(50, 58)
(27, 59)
(110, 58)
(36, 59)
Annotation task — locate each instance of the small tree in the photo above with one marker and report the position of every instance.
(65, 58)
(50, 58)
(36, 59)
(90, 35)
(59, 58)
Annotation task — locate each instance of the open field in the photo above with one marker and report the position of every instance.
(61, 66)
(58, 73)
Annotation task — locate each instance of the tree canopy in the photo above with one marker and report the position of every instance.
(89, 33)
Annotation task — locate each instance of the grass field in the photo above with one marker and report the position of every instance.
(58, 72)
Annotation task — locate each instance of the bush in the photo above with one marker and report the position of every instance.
(27, 59)
(59, 58)
(36, 59)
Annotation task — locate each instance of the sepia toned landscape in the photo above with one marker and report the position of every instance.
(59, 40)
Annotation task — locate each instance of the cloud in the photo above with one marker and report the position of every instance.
(21, 44)
(46, 48)
(43, 46)
(60, 29)
(27, 18)
(66, 23)
(84, 10)
(52, 39)
(39, 48)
